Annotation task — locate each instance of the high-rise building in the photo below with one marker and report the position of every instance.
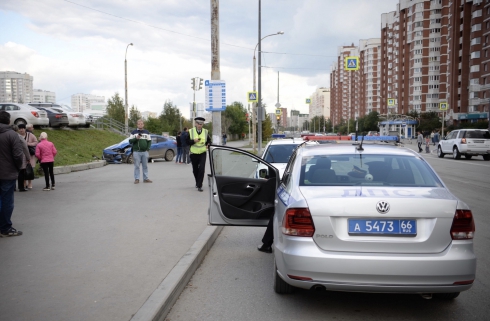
(320, 103)
(15, 87)
(369, 77)
(43, 96)
(82, 102)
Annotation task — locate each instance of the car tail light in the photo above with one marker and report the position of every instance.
(300, 278)
(298, 222)
(35, 114)
(463, 140)
(464, 282)
(74, 115)
(463, 227)
(59, 116)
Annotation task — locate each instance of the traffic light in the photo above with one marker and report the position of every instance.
(200, 83)
(278, 117)
(193, 83)
(247, 117)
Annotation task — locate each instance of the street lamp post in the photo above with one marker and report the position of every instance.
(126, 126)
(259, 110)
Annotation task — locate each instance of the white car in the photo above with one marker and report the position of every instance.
(467, 142)
(25, 114)
(277, 152)
(74, 118)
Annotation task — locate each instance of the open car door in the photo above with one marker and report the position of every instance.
(242, 187)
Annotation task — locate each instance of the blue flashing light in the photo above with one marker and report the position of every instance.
(379, 138)
(278, 136)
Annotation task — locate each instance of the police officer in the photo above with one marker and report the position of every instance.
(199, 141)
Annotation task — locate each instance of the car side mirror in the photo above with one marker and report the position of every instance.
(263, 173)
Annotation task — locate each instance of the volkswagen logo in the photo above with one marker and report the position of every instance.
(383, 207)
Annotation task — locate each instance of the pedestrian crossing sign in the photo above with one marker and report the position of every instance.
(278, 111)
(252, 97)
(351, 63)
(391, 102)
(443, 106)
(308, 100)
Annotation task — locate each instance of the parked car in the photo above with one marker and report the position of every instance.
(365, 218)
(56, 119)
(467, 142)
(74, 119)
(161, 147)
(24, 114)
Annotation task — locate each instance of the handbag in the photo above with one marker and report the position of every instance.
(32, 150)
(29, 175)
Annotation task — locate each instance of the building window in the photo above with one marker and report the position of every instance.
(475, 68)
(435, 49)
(476, 13)
(433, 77)
(435, 30)
(418, 52)
(475, 54)
(417, 79)
(476, 27)
(434, 68)
(475, 41)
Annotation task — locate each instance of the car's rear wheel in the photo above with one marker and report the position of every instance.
(468, 156)
(440, 154)
(130, 160)
(447, 296)
(486, 157)
(169, 155)
(456, 153)
(280, 286)
(20, 121)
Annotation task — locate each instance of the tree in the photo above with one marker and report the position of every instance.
(266, 128)
(153, 125)
(134, 115)
(170, 118)
(115, 108)
(235, 119)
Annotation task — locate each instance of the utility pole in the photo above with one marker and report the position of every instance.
(215, 66)
(259, 93)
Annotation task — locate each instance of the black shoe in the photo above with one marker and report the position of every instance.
(264, 248)
(10, 232)
(23, 189)
(199, 189)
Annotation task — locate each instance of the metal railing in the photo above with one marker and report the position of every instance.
(109, 124)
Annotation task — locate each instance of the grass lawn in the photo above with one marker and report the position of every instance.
(77, 146)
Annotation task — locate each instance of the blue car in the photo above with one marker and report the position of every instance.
(161, 147)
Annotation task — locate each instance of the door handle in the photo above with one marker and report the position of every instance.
(250, 187)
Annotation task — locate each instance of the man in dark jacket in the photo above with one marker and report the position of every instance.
(11, 155)
(184, 136)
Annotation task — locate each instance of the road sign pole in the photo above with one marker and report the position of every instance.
(215, 66)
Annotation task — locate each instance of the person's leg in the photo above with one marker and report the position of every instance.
(20, 180)
(179, 155)
(202, 167)
(136, 163)
(187, 154)
(46, 173)
(6, 203)
(268, 237)
(144, 163)
(51, 172)
(195, 166)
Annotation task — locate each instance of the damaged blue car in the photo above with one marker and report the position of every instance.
(161, 147)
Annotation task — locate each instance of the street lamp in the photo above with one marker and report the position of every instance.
(126, 127)
(259, 109)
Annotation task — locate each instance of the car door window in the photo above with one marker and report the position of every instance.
(286, 177)
(161, 139)
(231, 163)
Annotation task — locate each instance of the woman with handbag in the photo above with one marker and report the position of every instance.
(20, 179)
(30, 138)
(45, 152)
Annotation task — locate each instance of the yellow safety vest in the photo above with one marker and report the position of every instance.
(200, 146)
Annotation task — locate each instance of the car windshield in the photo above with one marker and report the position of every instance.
(478, 134)
(367, 170)
(279, 153)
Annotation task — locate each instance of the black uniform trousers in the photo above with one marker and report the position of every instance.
(268, 237)
(198, 163)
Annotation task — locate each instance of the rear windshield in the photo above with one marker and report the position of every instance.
(478, 134)
(367, 170)
(279, 153)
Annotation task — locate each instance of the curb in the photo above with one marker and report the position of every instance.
(158, 305)
(78, 167)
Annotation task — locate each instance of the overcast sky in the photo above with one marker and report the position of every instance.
(78, 46)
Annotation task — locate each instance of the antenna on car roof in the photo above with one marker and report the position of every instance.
(360, 146)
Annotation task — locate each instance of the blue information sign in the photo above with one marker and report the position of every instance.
(215, 92)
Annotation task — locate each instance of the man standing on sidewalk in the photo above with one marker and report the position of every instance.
(184, 136)
(199, 141)
(140, 140)
(11, 156)
(420, 141)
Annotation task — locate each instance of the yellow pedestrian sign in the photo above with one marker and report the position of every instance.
(391, 102)
(351, 63)
(443, 106)
(308, 100)
(252, 97)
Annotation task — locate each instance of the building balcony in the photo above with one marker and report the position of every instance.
(474, 87)
(474, 101)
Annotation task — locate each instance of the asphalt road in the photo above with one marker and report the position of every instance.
(235, 280)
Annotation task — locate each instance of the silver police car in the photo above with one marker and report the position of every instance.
(347, 217)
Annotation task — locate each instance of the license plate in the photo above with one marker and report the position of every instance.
(382, 227)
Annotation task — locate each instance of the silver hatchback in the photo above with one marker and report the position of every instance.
(371, 219)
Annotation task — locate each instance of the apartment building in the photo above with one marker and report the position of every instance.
(297, 120)
(83, 102)
(15, 87)
(320, 103)
(368, 77)
(44, 96)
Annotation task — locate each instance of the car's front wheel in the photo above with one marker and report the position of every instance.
(280, 286)
(440, 154)
(130, 160)
(468, 156)
(456, 153)
(447, 296)
(169, 155)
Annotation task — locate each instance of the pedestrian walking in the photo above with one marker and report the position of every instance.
(184, 137)
(420, 141)
(11, 155)
(21, 184)
(432, 137)
(46, 152)
(427, 144)
(32, 142)
(140, 140)
(178, 159)
(224, 138)
(199, 141)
